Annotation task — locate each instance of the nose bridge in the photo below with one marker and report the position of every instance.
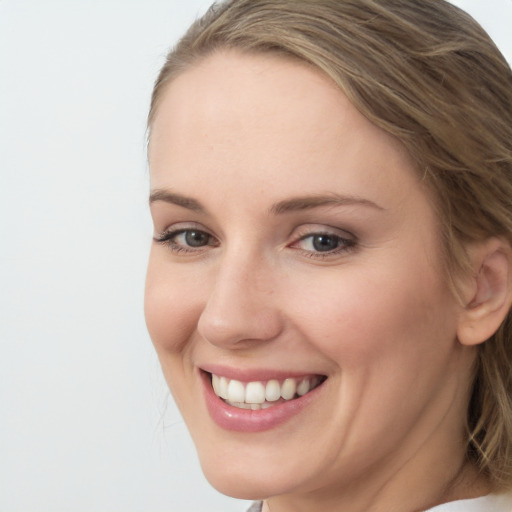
(240, 305)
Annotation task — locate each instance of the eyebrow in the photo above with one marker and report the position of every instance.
(288, 205)
(177, 199)
(310, 202)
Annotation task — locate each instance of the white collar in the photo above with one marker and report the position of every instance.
(489, 503)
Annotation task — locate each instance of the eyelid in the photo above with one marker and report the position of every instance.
(321, 229)
(175, 226)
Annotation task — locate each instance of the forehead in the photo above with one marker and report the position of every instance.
(266, 116)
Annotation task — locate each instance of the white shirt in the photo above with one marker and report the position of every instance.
(490, 503)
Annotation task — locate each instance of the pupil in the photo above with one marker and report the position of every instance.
(196, 238)
(324, 243)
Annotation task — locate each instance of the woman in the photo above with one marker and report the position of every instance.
(329, 285)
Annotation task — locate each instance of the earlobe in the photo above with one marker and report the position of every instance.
(488, 294)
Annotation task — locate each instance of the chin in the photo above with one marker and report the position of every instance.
(241, 480)
(256, 471)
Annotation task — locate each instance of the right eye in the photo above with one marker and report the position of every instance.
(186, 240)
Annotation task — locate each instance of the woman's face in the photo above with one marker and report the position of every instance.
(297, 253)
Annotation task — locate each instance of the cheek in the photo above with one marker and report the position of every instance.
(172, 306)
(391, 339)
(358, 318)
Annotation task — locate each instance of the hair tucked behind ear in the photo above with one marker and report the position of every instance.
(428, 74)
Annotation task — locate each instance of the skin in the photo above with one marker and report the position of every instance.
(239, 134)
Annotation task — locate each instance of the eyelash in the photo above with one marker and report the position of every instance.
(168, 238)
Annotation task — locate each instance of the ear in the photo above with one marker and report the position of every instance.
(487, 292)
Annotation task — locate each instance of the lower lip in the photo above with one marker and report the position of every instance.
(247, 420)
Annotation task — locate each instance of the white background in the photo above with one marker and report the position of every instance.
(85, 419)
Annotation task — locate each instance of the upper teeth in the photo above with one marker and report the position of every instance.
(257, 392)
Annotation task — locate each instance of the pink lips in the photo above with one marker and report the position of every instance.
(246, 420)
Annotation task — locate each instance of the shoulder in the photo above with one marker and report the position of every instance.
(489, 503)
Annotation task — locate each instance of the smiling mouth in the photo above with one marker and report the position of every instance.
(257, 395)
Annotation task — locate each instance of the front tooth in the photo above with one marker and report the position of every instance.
(254, 393)
(236, 391)
(303, 387)
(288, 389)
(223, 388)
(272, 391)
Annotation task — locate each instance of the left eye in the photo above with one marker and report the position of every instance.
(186, 240)
(192, 238)
(323, 242)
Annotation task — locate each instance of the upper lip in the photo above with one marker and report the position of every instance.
(253, 374)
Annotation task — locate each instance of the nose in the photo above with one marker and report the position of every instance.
(240, 308)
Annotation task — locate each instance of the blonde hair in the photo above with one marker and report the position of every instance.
(427, 73)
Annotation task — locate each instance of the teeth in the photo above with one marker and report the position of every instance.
(215, 384)
(254, 393)
(240, 405)
(260, 395)
(303, 387)
(272, 391)
(236, 391)
(223, 387)
(288, 389)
